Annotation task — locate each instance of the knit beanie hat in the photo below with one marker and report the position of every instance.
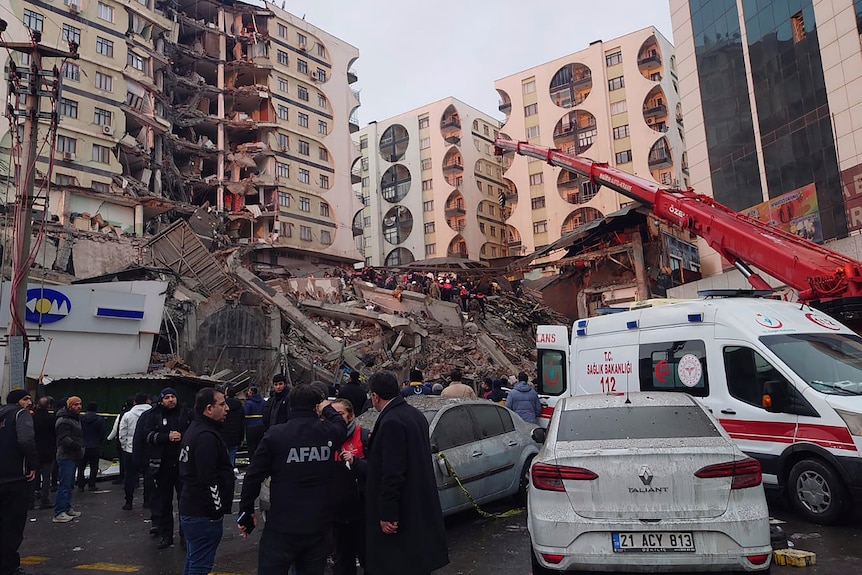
(16, 395)
(72, 399)
(168, 391)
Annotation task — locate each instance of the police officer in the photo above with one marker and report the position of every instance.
(299, 456)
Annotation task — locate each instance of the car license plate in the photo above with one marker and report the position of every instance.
(652, 542)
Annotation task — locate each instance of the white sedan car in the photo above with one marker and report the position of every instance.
(644, 482)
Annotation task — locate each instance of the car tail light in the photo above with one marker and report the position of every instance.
(745, 473)
(758, 559)
(550, 477)
(552, 558)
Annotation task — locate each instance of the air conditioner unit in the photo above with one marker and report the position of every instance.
(74, 7)
(108, 130)
(650, 121)
(315, 76)
(69, 156)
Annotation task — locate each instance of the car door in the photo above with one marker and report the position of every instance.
(454, 435)
(501, 446)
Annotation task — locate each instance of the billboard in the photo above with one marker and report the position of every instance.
(795, 212)
(851, 183)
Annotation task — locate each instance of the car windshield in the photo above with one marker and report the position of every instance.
(650, 422)
(828, 362)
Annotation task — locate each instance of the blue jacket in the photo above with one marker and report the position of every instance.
(254, 406)
(93, 427)
(524, 401)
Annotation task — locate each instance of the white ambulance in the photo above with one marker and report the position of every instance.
(783, 379)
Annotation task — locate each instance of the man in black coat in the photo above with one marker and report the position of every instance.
(404, 522)
(299, 456)
(164, 427)
(44, 419)
(208, 482)
(277, 407)
(93, 427)
(353, 392)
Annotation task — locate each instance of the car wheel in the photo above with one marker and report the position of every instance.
(534, 563)
(816, 492)
(524, 482)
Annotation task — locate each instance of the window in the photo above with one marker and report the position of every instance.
(485, 129)
(321, 75)
(100, 187)
(492, 420)
(282, 31)
(286, 229)
(302, 119)
(363, 143)
(613, 59)
(366, 221)
(482, 227)
(304, 204)
(324, 183)
(105, 12)
(104, 47)
(618, 107)
(536, 179)
(68, 108)
(282, 170)
(324, 209)
(302, 93)
(537, 203)
(301, 40)
(540, 227)
(532, 132)
(364, 164)
(137, 61)
(71, 71)
(282, 85)
(71, 34)
(797, 24)
(102, 117)
(531, 110)
(424, 143)
(429, 227)
(65, 180)
(104, 82)
(454, 428)
(529, 87)
(304, 148)
(67, 145)
(424, 122)
(366, 182)
(748, 373)
(33, 20)
(283, 197)
(101, 154)
(623, 157)
(322, 154)
(282, 113)
(494, 231)
(427, 185)
(322, 128)
(302, 66)
(321, 100)
(616, 83)
(305, 233)
(321, 50)
(660, 367)
(325, 237)
(621, 132)
(428, 206)
(426, 163)
(430, 249)
(282, 57)
(283, 142)
(304, 176)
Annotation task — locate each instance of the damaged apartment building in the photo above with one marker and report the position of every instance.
(178, 107)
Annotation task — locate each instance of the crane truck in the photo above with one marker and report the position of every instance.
(783, 379)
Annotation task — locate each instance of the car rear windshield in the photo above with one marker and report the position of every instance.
(648, 422)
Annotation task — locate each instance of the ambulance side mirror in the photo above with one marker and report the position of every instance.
(774, 398)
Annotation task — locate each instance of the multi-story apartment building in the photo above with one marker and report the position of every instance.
(773, 118)
(616, 101)
(247, 110)
(430, 185)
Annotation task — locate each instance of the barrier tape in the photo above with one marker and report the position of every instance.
(482, 512)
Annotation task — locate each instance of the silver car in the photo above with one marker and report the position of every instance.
(488, 446)
(644, 482)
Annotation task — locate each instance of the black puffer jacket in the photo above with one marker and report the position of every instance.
(17, 444)
(205, 470)
(70, 436)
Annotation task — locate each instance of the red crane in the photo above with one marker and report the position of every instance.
(822, 276)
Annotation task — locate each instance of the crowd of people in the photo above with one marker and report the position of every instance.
(304, 437)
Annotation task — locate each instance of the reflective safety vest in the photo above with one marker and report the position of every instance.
(354, 444)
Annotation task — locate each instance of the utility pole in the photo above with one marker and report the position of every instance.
(33, 85)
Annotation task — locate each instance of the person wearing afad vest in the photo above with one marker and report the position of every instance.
(349, 494)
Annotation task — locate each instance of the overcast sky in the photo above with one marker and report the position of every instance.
(415, 52)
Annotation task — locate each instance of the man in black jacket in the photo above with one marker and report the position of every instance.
(93, 427)
(299, 457)
(44, 419)
(404, 522)
(277, 407)
(208, 482)
(18, 464)
(353, 392)
(164, 426)
(70, 450)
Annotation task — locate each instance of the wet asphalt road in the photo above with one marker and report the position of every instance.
(106, 539)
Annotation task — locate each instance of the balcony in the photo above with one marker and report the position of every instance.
(659, 159)
(658, 111)
(351, 76)
(356, 231)
(568, 184)
(452, 137)
(504, 106)
(679, 119)
(453, 167)
(514, 244)
(649, 62)
(511, 198)
(451, 122)
(355, 176)
(353, 124)
(455, 210)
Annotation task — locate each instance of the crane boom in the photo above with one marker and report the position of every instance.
(818, 273)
